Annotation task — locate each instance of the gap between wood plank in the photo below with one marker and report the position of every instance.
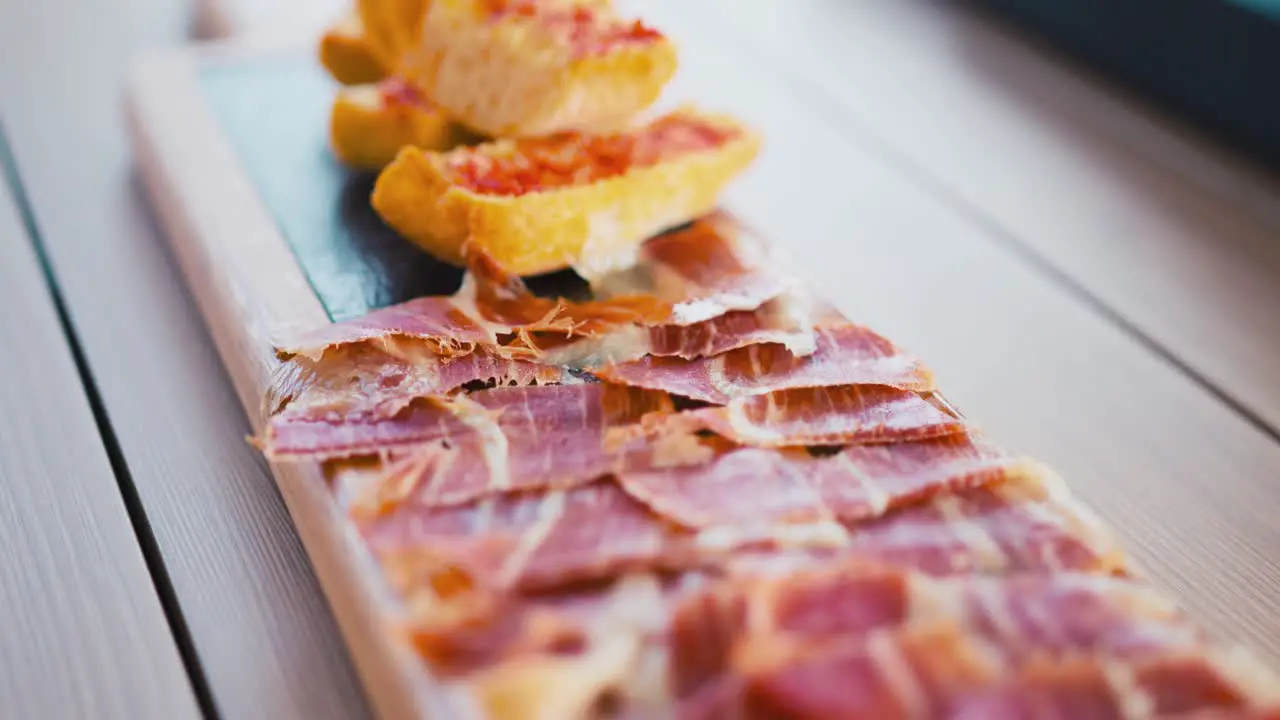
(120, 468)
(828, 107)
(263, 631)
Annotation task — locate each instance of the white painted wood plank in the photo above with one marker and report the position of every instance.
(266, 639)
(1185, 481)
(85, 633)
(1176, 238)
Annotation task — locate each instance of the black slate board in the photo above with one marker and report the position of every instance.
(276, 113)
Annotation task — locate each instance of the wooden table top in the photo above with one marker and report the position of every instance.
(1092, 283)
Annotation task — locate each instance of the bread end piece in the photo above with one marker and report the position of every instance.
(391, 27)
(345, 52)
(593, 228)
(503, 78)
(367, 129)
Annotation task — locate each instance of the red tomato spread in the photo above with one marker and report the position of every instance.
(585, 30)
(569, 159)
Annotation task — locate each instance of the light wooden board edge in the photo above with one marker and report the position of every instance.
(188, 132)
(250, 292)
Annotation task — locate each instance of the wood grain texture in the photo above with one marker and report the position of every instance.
(1181, 477)
(1177, 238)
(1184, 479)
(253, 294)
(85, 633)
(266, 640)
(1186, 482)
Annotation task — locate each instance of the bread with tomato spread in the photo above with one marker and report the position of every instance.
(391, 27)
(370, 124)
(569, 200)
(524, 68)
(346, 54)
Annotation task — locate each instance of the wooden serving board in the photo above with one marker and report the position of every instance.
(274, 238)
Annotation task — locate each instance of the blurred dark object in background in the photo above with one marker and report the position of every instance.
(1215, 63)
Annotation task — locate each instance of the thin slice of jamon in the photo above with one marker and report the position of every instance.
(436, 321)
(529, 541)
(827, 416)
(752, 487)
(629, 326)
(844, 355)
(364, 381)
(1025, 523)
(504, 434)
(552, 539)
(502, 298)
(940, 671)
(784, 322)
(1191, 687)
(1028, 523)
(1024, 618)
(482, 629)
(520, 439)
(709, 268)
(778, 322)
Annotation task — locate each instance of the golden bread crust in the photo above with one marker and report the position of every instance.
(345, 52)
(366, 131)
(593, 227)
(391, 26)
(506, 78)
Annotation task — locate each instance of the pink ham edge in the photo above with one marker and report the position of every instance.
(753, 487)
(435, 320)
(362, 382)
(554, 437)
(712, 267)
(844, 355)
(827, 416)
(510, 414)
(533, 541)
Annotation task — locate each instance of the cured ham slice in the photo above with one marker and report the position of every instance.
(633, 324)
(502, 297)
(363, 381)
(1022, 618)
(505, 434)
(528, 541)
(436, 321)
(481, 629)
(778, 322)
(948, 675)
(713, 266)
(827, 416)
(755, 487)
(527, 439)
(844, 355)
(1027, 523)
(1188, 687)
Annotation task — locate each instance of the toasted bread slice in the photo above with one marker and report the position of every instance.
(524, 68)
(346, 53)
(391, 27)
(371, 123)
(569, 200)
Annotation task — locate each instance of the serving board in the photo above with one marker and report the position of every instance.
(275, 238)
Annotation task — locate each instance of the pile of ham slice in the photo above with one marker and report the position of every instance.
(702, 494)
